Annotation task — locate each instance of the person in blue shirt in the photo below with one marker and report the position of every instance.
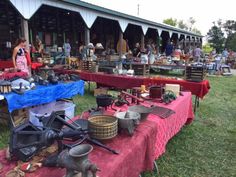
(225, 53)
(169, 49)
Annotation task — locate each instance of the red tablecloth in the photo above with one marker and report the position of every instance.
(136, 155)
(137, 152)
(199, 89)
(9, 64)
(6, 64)
(112, 80)
(36, 65)
(7, 75)
(167, 128)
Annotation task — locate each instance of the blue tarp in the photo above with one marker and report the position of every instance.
(44, 94)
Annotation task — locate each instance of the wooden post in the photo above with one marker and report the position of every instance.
(142, 41)
(121, 42)
(25, 31)
(87, 36)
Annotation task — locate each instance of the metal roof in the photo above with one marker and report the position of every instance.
(129, 17)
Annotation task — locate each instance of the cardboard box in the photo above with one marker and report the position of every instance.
(100, 91)
(174, 88)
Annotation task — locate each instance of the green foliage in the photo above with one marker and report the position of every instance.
(206, 148)
(229, 27)
(216, 38)
(207, 48)
(170, 21)
(195, 30)
(182, 25)
(231, 42)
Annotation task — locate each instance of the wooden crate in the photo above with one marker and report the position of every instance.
(88, 65)
(196, 74)
(140, 69)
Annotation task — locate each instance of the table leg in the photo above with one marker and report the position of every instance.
(11, 121)
(196, 103)
(89, 86)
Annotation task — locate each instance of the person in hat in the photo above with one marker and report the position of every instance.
(19, 56)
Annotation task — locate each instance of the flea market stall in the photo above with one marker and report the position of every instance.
(75, 42)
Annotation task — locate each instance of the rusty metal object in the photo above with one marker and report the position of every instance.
(76, 161)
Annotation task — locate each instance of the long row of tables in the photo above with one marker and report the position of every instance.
(199, 89)
(137, 152)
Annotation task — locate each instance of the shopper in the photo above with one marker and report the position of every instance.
(197, 53)
(19, 56)
(67, 48)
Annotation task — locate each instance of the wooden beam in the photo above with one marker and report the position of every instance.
(87, 36)
(25, 31)
(142, 41)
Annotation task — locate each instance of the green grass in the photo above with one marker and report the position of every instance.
(206, 148)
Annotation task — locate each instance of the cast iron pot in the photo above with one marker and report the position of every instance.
(104, 100)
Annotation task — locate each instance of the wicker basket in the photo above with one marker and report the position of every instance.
(103, 127)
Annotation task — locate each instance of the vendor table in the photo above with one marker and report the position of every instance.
(6, 64)
(138, 152)
(42, 95)
(200, 89)
(110, 80)
(9, 75)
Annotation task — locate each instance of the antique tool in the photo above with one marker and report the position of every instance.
(162, 112)
(126, 94)
(55, 128)
(76, 161)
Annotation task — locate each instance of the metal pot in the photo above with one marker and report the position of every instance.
(104, 100)
(128, 120)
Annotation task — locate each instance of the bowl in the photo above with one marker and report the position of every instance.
(142, 110)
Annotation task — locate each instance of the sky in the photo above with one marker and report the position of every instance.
(205, 12)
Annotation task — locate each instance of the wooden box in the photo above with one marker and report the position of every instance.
(196, 74)
(100, 91)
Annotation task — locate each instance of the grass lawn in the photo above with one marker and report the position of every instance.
(206, 148)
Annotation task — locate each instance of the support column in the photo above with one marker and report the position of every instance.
(121, 36)
(25, 31)
(87, 36)
(142, 41)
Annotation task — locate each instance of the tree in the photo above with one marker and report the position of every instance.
(182, 25)
(191, 22)
(229, 26)
(231, 42)
(195, 30)
(207, 48)
(170, 21)
(216, 37)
